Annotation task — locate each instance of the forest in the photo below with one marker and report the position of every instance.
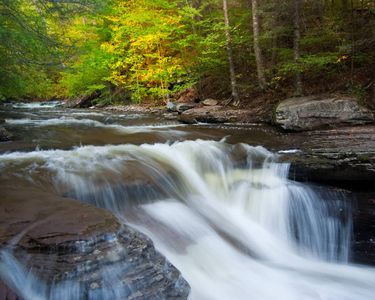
(147, 51)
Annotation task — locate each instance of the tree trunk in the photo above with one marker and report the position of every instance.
(344, 5)
(373, 86)
(230, 55)
(297, 38)
(257, 49)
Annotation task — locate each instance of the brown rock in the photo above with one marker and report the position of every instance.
(210, 102)
(71, 243)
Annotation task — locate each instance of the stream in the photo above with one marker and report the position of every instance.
(214, 199)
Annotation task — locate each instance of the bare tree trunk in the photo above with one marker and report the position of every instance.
(344, 5)
(274, 48)
(228, 36)
(373, 85)
(257, 49)
(297, 38)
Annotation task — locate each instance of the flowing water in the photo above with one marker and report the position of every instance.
(219, 206)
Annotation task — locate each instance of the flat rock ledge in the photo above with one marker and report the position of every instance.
(341, 156)
(79, 252)
(219, 114)
(307, 113)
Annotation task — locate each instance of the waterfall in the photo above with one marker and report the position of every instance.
(225, 215)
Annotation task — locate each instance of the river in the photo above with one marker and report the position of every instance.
(214, 199)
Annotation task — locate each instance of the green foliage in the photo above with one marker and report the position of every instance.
(139, 50)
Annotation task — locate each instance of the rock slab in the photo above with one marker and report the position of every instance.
(80, 251)
(307, 113)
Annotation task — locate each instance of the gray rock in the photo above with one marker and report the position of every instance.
(210, 102)
(344, 156)
(70, 244)
(181, 107)
(307, 113)
(5, 135)
(171, 106)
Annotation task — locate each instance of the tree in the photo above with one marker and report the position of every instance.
(296, 46)
(257, 48)
(228, 36)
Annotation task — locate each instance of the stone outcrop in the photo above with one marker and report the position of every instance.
(345, 155)
(307, 113)
(66, 242)
(344, 158)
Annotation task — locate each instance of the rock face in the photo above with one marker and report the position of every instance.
(343, 156)
(306, 113)
(363, 246)
(81, 252)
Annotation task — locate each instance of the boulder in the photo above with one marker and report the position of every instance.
(5, 135)
(307, 113)
(210, 102)
(215, 114)
(82, 249)
(171, 106)
(181, 107)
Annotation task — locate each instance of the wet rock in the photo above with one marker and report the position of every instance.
(5, 135)
(363, 244)
(181, 107)
(67, 242)
(171, 106)
(343, 156)
(307, 113)
(6, 293)
(210, 102)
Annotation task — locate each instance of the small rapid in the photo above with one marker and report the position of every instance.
(225, 215)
